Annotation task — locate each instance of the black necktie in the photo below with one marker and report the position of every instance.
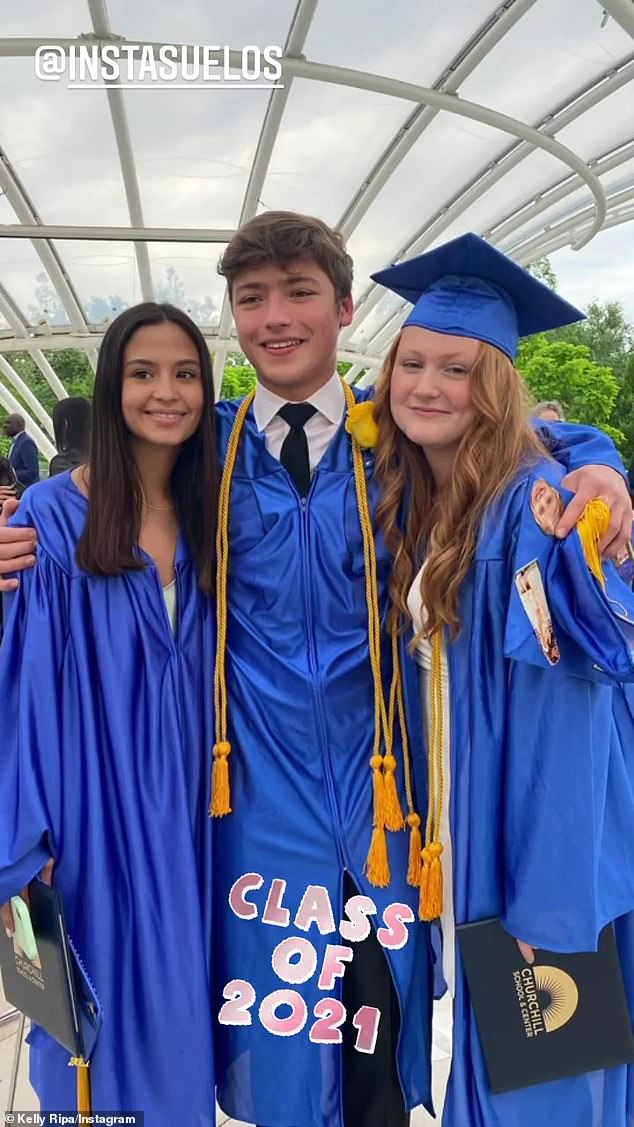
(294, 452)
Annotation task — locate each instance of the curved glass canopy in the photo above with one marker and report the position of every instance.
(403, 124)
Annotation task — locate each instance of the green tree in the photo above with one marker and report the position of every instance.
(70, 364)
(558, 369)
(605, 332)
(610, 338)
(541, 268)
(74, 370)
(237, 381)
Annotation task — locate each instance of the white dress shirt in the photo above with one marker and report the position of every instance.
(320, 429)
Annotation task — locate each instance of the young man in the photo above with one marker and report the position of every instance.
(321, 1023)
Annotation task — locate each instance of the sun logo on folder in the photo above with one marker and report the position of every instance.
(562, 994)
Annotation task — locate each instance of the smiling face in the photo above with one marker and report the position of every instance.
(546, 506)
(430, 391)
(162, 393)
(288, 321)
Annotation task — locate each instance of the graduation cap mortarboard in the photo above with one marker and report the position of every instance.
(468, 288)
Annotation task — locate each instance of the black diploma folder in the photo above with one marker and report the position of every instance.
(49, 989)
(564, 1015)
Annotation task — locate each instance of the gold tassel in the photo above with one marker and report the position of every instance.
(377, 866)
(220, 786)
(591, 526)
(84, 1100)
(415, 850)
(378, 791)
(394, 819)
(432, 883)
(424, 883)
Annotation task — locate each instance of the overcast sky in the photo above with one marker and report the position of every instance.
(193, 150)
(602, 271)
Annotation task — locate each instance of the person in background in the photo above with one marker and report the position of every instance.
(106, 705)
(523, 643)
(71, 426)
(551, 410)
(22, 451)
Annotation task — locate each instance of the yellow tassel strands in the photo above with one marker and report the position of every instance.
(387, 812)
(591, 526)
(431, 889)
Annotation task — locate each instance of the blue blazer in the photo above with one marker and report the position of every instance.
(23, 458)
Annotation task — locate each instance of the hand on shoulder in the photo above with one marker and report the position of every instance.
(17, 547)
(602, 482)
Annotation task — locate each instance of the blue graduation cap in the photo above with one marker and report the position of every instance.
(468, 288)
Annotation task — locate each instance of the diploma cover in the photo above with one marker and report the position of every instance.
(48, 989)
(564, 1015)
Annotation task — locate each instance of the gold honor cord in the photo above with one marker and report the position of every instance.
(220, 802)
(431, 888)
(387, 812)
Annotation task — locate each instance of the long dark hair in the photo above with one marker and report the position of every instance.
(71, 423)
(109, 543)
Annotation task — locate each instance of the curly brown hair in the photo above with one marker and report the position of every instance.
(416, 519)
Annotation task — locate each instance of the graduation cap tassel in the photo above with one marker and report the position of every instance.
(591, 526)
(84, 1100)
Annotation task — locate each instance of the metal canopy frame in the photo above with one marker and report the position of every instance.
(567, 211)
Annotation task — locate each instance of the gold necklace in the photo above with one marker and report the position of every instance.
(158, 508)
(146, 504)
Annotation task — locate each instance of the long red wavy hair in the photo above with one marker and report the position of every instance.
(418, 521)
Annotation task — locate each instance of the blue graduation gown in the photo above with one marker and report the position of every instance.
(542, 789)
(301, 726)
(106, 722)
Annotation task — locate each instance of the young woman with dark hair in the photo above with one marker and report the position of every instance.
(105, 691)
(71, 426)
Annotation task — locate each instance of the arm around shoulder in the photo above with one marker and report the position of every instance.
(17, 546)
